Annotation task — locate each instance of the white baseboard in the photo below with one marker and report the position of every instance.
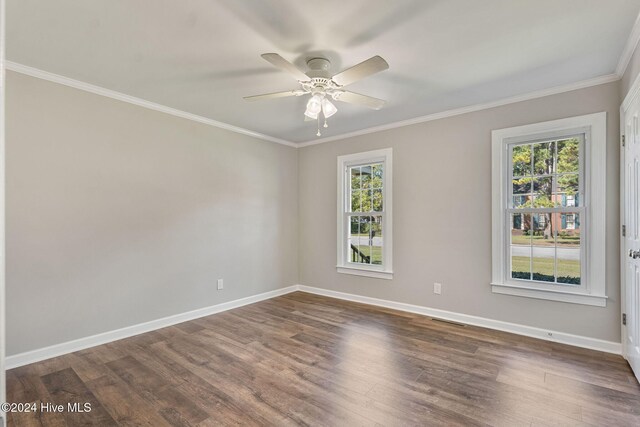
(33, 356)
(529, 331)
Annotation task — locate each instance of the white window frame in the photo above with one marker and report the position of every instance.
(385, 270)
(592, 290)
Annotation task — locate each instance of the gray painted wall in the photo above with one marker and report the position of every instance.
(118, 215)
(442, 215)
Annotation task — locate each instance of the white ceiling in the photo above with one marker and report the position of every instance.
(203, 56)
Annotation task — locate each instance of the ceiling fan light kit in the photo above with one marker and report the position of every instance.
(324, 87)
(328, 109)
(314, 106)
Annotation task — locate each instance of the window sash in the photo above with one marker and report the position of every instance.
(347, 212)
(348, 190)
(347, 227)
(581, 210)
(554, 188)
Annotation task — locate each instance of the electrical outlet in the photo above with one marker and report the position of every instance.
(437, 288)
(220, 284)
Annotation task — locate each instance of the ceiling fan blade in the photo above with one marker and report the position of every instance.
(285, 65)
(274, 95)
(309, 119)
(356, 98)
(360, 71)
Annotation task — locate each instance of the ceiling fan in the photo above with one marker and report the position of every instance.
(322, 86)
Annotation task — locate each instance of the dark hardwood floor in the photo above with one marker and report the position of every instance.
(302, 359)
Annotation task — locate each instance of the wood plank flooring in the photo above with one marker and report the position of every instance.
(303, 359)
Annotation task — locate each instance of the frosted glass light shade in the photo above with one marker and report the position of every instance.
(314, 106)
(328, 109)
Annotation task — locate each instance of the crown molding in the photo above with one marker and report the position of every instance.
(45, 75)
(629, 48)
(470, 109)
(77, 84)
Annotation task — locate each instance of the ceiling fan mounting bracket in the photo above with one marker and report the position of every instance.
(318, 64)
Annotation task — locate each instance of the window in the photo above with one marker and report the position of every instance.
(569, 222)
(545, 178)
(549, 210)
(364, 214)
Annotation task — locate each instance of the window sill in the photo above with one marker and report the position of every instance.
(377, 274)
(570, 297)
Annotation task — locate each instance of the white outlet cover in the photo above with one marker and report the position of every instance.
(437, 288)
(220, 284)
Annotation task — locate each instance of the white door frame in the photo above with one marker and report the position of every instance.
(3, 395)
(623, 266)
(634, 91)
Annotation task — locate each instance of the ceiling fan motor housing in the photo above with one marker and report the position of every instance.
(321, 85)
(319, 64)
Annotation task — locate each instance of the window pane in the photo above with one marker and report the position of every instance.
(377, 200)
(521, 160)
(355, 178)
(522, 201)
(522, 186)
(365, 172)
(568, 243)
(366, 200)
(356, 201)
(567, 190)
(376, 179)
(568, 155)
(376, 240)
(521, 246)
(543, 158)
(363, 240)
(366, 188)
(359, 240)
(542, 188)
(354, 232)
(543, 248)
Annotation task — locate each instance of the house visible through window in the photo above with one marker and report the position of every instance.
(365, 214)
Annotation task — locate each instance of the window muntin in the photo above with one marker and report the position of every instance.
(545, 182)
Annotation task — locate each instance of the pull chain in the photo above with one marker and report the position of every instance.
(318, 134)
